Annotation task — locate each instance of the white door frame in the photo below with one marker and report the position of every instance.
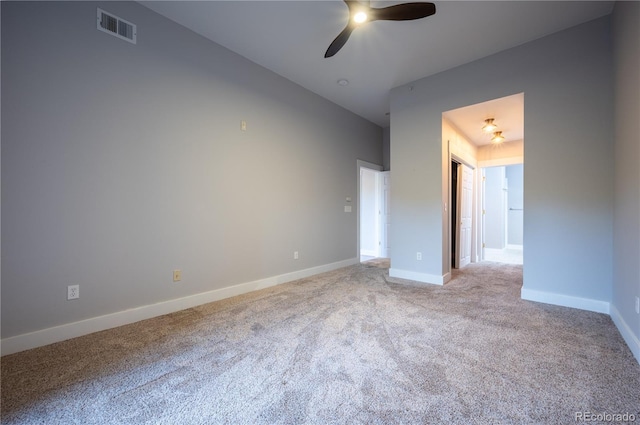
(359, 165)
(464, 209)
(474, 208)
(384, 212)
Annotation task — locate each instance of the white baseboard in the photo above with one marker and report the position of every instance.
(446, 277)
(627, 334)
(565, 300)
(95, 324)
(590, 305)
(418, 277)
(368, 253)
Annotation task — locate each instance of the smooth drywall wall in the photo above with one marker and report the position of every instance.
(494, 204)
(458, 146)
(515, 204)
(566, 79)
(386, 149)
(626, 237)
(503, 154)
(123, 162)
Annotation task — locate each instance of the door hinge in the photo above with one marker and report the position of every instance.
(483, 245)
(483, 212)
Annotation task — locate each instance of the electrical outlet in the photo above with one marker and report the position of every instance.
(295, 255)
(73, 292)
(177, 275)
(419, 256)
(637, 305)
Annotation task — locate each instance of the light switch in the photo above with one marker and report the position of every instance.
(347, 208)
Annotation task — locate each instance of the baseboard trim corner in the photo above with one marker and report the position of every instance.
(66, 331)
(565, 300)
(627, 334)
(417, 276)
(446, 277)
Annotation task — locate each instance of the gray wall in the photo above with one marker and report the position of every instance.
(567, 83)
(497, 179)
(122, 162)
(626, 235)
(494, 225)
(515, 201)
(386, 149)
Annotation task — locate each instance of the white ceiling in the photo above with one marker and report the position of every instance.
(291, 37)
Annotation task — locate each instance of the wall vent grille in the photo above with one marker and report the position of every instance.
(118, 27)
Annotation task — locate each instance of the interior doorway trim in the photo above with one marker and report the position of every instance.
(359, 165)
(453, 157)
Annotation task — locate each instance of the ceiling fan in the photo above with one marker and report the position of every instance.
(361, 13)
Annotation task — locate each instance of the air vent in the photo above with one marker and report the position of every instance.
(113, 25)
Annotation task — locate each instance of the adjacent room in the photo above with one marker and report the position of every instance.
(485, 146)
(320, 212)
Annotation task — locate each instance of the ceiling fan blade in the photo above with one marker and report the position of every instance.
(340, 41)
(403, 12)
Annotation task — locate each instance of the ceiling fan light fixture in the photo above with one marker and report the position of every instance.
(497, 137)
(489, 126)
(359, 14)
(360, 17)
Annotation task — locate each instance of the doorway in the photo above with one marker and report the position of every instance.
(373, 212)
(469, 141)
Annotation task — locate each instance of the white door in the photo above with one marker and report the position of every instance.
(369, 213)
(465, 200)
(385, 213)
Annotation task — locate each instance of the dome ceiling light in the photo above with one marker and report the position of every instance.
(489, 126)
(497, 137)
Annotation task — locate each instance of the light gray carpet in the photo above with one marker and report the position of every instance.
(345, 347)
(383, 263)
